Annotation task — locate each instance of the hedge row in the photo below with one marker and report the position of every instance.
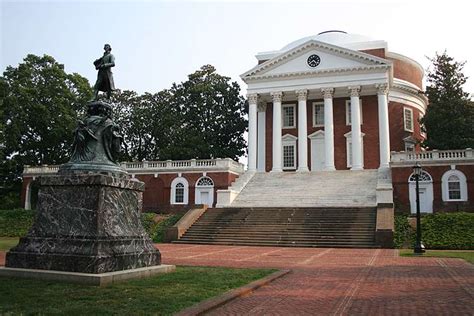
(15, 223)
(439, 231)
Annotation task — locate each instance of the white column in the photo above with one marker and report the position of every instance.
(384, 132)
(261, 136)
(252, 163)
(355, 129)
(276, 141)
(28, 196)
(302, 131)
(328, 129)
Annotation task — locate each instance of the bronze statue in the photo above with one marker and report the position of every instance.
(105, 79)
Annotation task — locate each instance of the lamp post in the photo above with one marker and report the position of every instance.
(419, 249)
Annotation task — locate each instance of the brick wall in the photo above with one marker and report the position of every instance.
(401, 198)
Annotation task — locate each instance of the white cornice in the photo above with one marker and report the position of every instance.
(370, 60)
(316, 73)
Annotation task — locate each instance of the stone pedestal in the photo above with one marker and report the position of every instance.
(87, 223)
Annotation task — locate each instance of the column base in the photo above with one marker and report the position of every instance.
(355, 168)
(302, 169)
(276, 170)
(329, 168)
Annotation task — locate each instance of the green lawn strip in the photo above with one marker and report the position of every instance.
(466, 255)
(164, 294)
(8, 242)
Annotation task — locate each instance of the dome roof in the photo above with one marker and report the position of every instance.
(334, 37)
(338, 38)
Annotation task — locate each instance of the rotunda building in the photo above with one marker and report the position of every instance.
(332, 101)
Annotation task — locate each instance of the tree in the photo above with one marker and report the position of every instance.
(449, 119)
(210, 115)
(40, 103)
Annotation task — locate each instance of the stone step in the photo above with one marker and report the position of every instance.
(282, 244)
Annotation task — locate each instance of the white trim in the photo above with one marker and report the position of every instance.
(199, 189)
(288, 105)
(407, 60)
(173, 191)
(462, 184)
(348, 137)
(348, 116)
(321, 103)
(412, 123)
(426, 200)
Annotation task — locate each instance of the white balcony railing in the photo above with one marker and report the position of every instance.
(143, 167)
(434, 156)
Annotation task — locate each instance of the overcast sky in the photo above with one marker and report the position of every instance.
(157, 43)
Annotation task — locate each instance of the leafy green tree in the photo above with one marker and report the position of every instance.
(39, 108)
(449, 119)
(210, 115)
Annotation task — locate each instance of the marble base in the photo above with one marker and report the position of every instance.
(87, 278)
(88, 223)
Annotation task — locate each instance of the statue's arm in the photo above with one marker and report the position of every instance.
(111, 62)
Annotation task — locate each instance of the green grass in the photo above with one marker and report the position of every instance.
(164, 294)
(466, 255)
(7, 242)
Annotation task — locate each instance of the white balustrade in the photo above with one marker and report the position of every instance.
(434, 156)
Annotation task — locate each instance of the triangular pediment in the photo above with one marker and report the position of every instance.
(319, 134)
(331, 59)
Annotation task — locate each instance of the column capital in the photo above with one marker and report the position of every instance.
(252, 98)
(261, 106)
(302, 94)
(382, 88)
(327, 93)
(277, 96)
(354, 91)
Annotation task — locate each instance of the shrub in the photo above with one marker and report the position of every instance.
(448, 231)
(16, 222)
(155, 225)
(404, 235)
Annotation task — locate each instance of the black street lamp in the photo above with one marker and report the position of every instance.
(419, 248)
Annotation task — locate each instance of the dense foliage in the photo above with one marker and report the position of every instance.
(155, 225)
(15, 223)
(449, 119)
(40, 103)
(439, 231)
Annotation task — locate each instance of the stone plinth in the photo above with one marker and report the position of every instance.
(87, 223)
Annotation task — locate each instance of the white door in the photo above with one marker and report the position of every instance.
(205, 197)
(317, 154)
(426, 198)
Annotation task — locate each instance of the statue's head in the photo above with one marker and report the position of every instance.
(107, 47)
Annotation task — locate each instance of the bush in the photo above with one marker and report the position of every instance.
(16, 222)
(438, 231)
(448, 231)
(404, 235)
(155, 225)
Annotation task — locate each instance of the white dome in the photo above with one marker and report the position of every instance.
(338, 38)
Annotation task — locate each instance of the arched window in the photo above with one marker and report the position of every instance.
(179, 191)
(424, 177)
(454, 186)
(205, 181)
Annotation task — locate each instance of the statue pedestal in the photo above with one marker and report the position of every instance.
(88, 223)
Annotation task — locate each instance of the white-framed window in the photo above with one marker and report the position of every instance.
(349, 148)
(318, 114)
(408, 119)
(348, 112)
(288, 116)
(288, 151)
(454, 186)
(409, 147)
(179, 191)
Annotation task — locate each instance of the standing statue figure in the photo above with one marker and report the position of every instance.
(105, 79)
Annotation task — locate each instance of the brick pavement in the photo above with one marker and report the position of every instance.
(338, 281)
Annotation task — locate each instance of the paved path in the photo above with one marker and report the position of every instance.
(340, 281)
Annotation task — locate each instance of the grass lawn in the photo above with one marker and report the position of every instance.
(164, 294)
(8, 242)
(466, 255)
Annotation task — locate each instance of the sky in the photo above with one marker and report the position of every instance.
(157, 43)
